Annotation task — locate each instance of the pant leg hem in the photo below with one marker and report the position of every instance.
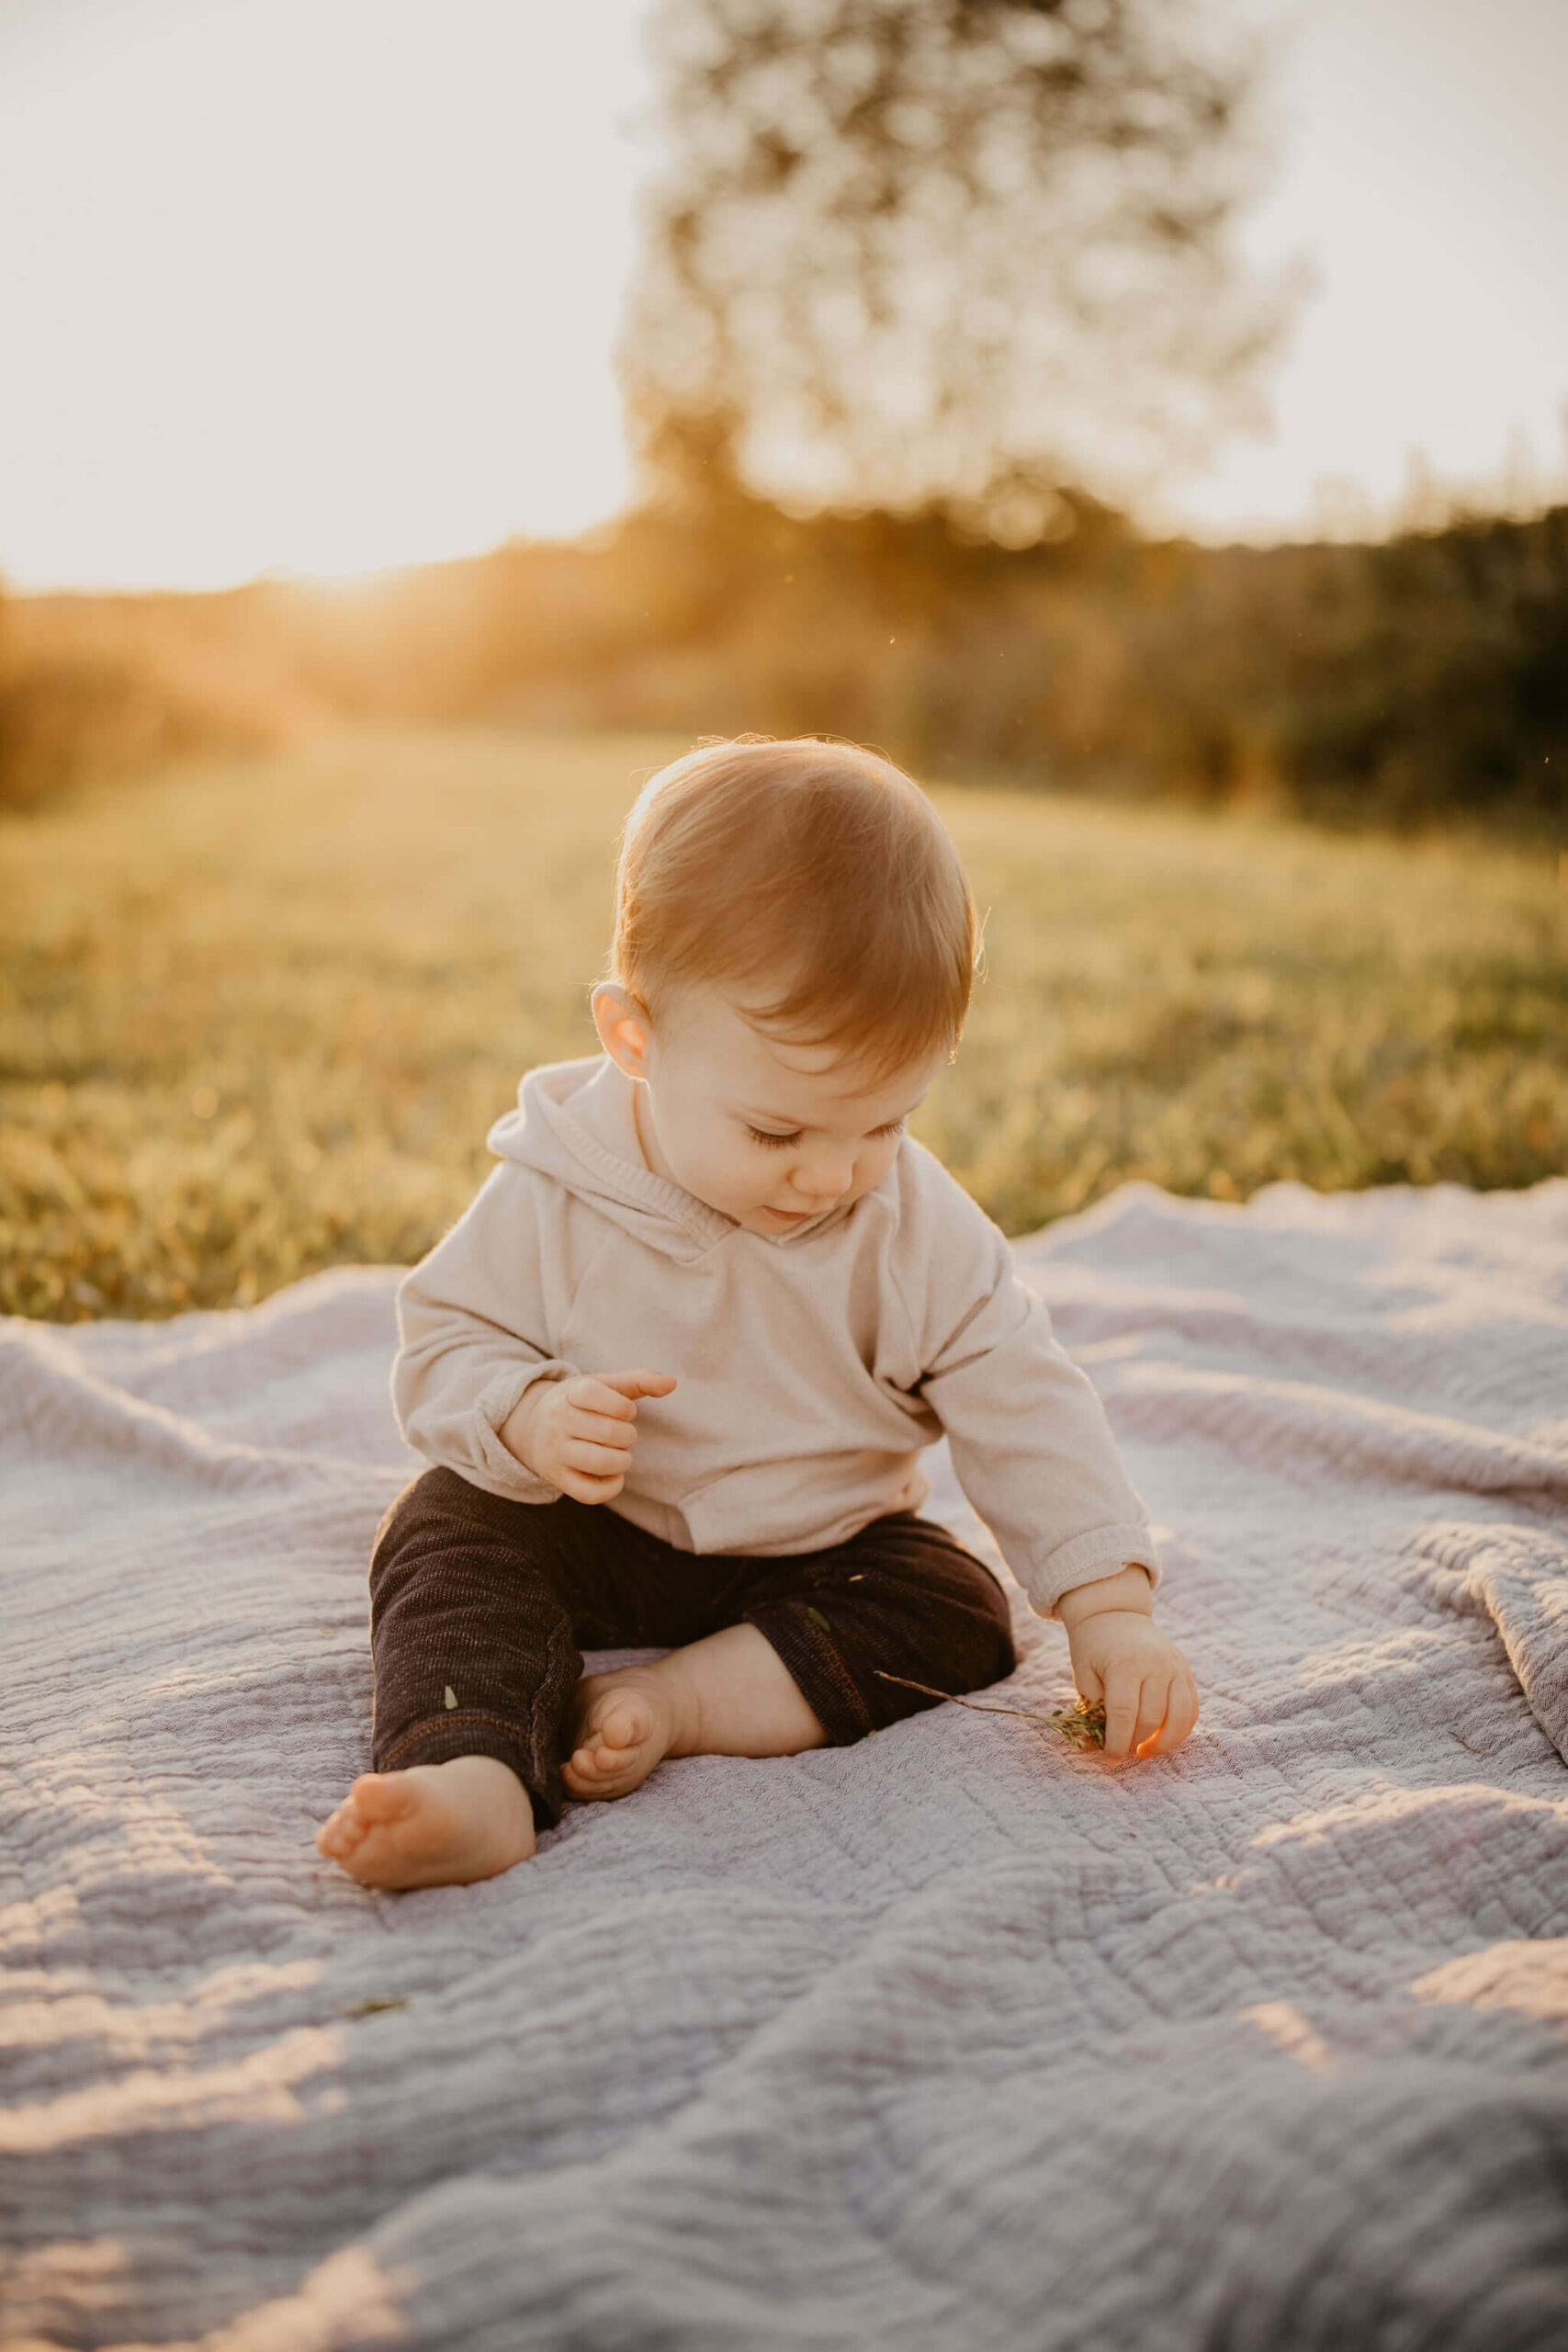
(807, 1652)
(468, 1731)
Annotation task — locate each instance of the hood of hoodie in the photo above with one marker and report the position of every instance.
(575, 1122)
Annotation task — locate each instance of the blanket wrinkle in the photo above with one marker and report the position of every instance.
(55, 1401)
(1362, 1436)
(878, 2048)
(1516, 1578)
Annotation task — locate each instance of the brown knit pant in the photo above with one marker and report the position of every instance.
(481, 1610)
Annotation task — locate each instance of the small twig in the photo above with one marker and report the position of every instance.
(978, 1705)
(1083, 1726)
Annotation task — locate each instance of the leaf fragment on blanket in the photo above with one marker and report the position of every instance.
(448, 1698)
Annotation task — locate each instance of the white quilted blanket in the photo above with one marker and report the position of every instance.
(951, 2039)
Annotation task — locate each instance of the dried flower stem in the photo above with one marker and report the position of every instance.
(1081, 1726)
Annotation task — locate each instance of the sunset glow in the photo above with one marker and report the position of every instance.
(329, 284)
(304, 286)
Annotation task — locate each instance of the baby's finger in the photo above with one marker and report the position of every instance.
(1088, 1686)
(589, 1393)
(1154, 1705)
(600, 1430)
(583, 1487)
(639, 1383)
(599, 1460)
(1121, 1687)
(1180, 1715)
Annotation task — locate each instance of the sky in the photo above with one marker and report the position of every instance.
(322, 286)
(1421, 175)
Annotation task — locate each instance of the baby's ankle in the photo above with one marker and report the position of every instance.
(682, 1698)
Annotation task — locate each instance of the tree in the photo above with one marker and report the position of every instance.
(960, 252)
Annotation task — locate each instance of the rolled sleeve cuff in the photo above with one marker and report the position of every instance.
(498, 1468)
(1101, 1552)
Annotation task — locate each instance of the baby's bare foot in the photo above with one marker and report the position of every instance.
(436, 1825)
(627, 1723)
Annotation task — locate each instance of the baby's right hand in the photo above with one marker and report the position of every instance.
(577, 1435)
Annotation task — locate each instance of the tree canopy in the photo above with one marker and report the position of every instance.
(954, 251)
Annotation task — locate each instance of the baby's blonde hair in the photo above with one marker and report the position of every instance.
(814, 883)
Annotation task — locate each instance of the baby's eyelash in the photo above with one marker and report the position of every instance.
(759, 1134)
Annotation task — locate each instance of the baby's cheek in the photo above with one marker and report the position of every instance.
(733, 1163)
(706, 1164)
(873, 1166)
(733, 1176)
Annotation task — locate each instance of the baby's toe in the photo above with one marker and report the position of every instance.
(627, 1723)
(598, 1769)
(621, 1736)
(381, 1797)
(341, 1831)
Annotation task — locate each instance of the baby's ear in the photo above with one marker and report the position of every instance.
(623, 1024)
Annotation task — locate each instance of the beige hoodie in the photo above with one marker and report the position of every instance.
(813, 1366)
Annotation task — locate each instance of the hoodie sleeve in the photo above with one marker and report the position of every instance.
(473, 1320)
(1029, 1437)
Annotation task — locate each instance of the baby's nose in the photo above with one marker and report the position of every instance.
(824, 1179)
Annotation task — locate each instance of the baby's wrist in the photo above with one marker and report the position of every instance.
(516, 1428)
(1130, 1592)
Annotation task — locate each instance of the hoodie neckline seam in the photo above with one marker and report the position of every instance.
(708, 1225)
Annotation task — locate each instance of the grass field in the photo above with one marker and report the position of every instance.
(255, 1017)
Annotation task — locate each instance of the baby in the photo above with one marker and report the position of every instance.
(676, 1365)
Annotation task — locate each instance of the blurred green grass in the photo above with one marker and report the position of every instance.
(256, 1015)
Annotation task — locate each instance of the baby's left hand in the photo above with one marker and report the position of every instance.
(1121, 1657)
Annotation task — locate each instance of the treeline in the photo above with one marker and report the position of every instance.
(1421, 679)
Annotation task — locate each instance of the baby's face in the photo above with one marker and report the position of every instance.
(768, 1132)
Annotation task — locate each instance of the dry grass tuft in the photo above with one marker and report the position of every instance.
(1082, 1724)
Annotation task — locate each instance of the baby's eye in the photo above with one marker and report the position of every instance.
(880, 1135)
(777, 1143)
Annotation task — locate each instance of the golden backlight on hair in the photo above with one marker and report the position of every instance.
(812, 883)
